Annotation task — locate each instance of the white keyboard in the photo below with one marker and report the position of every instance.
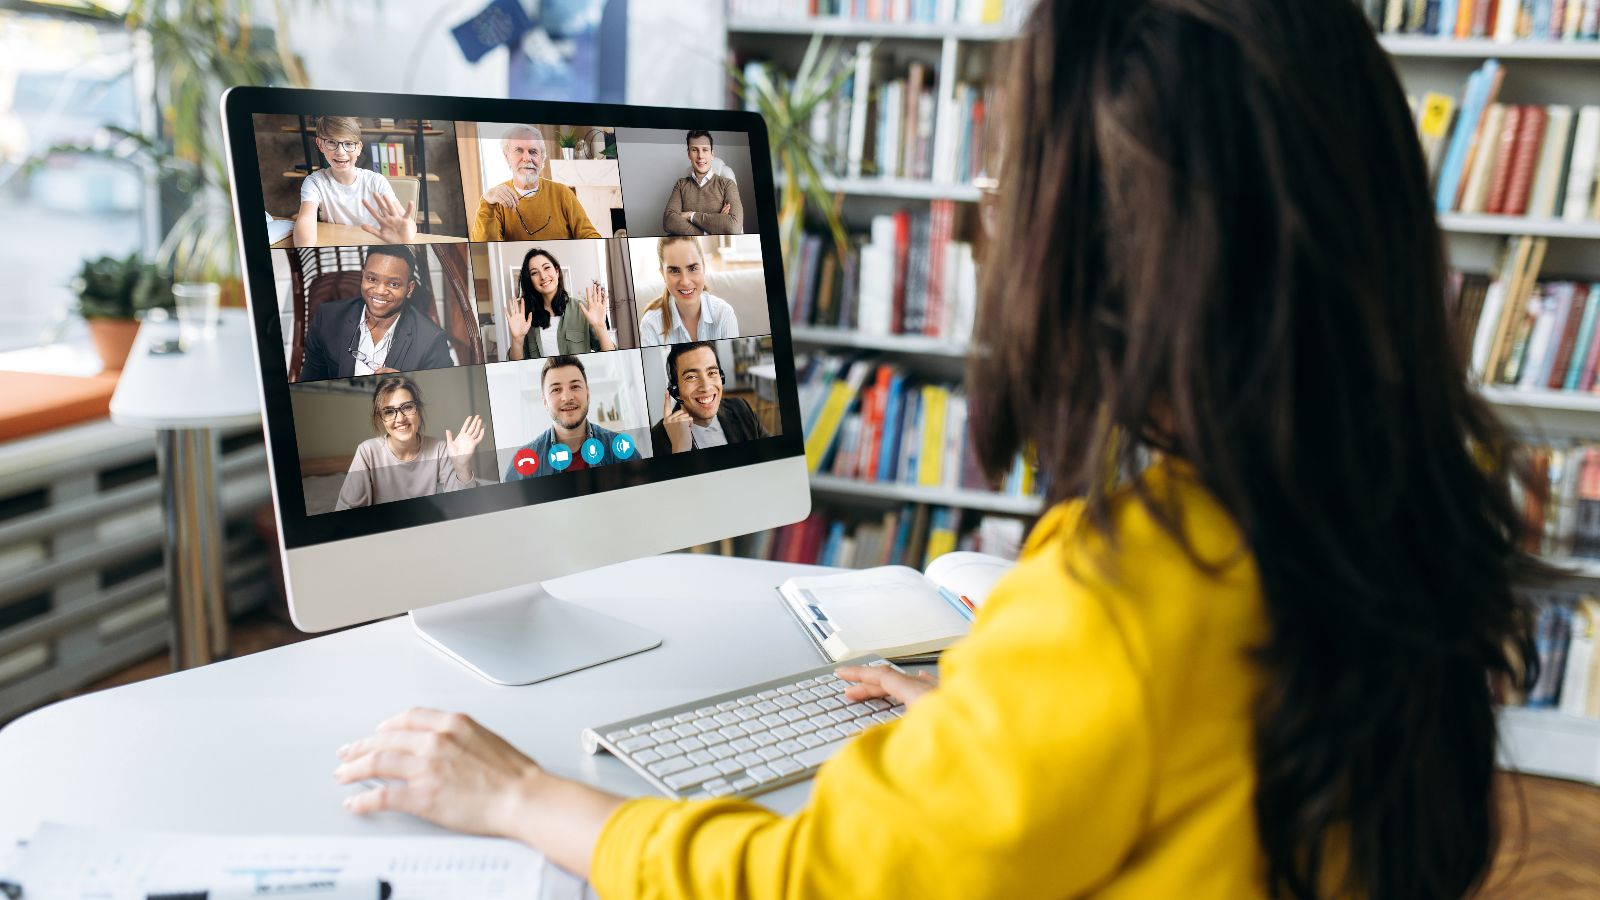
(747, 741)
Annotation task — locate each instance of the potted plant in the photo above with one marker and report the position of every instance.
(111, 293)
(569, 143)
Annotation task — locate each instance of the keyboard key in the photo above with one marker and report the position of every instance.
(748, 699)
(792, 715)
(748, 759)
(715, 783)
(644, 728)
(698, 795)
(639, 742)
(669, 750)
(742, 745)
(842, 715)
(810, 709)
(743, 783)
(816, 756)
(669, 766)
(684, 729)
(721, 751)
(885, 717)
(663, 723)
(803, 727)
(822, 720)
(810, 740)
(727, 766)
(784, 732)
(700, 757)
(772, 720)
(788, 689)
(860, 709)
(690, 778)
(849, 728)
(644, 757)
(752, 727)
(790, 746)
(663, 736)
(727, 705)
(728, 718)
(764, 739)
(786, 703)
(731, 732)
(785, 766)
(705, 725)
(878, 704)
(690, 743)
(746, 713)
(827, 679)
(829, 734)
(771, 753)
(683, 717)
(618, 735)
(767, 695)
(705, 710)
(897, 711)
(761, 774)
(766, 706)
(830, 703)
(806, 682)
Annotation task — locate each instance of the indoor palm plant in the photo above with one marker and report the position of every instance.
(787, 104)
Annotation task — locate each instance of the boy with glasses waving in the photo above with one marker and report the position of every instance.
(344, 193)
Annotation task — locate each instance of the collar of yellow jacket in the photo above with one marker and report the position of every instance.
(1060, 519)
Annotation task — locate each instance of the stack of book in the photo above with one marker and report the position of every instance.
(867, 419)
(928, 12)
(1508, 159)
(1566, 627)
(1501, 20)
(1562, 510)
(912, 535)
(1528, 333)
(908, 276)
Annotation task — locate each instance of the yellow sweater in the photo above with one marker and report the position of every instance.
(550, 213)
(1091, 736)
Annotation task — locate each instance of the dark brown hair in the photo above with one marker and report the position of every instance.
(1221, 247)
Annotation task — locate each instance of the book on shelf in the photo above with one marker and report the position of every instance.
(907, 275)
(868, 420)
(1527, 333)
(1504, 21)
(910, 534)
(894, 611)
(1510, 159)
(889, 121)
(921, 12)
(1565, 628)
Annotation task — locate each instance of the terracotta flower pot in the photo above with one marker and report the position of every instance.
(113, 339)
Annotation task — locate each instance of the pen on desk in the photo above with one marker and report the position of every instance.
(316, 889)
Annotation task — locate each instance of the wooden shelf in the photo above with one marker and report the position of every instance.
(908, 493)
(839, 27)
(908, 344)
(1460, 223)
(296, 173)
(901, 188)
(1428, 46)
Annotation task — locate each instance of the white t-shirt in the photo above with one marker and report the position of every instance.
(717, 321)
(341, 205)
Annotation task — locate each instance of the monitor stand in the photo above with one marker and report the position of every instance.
(524, 635)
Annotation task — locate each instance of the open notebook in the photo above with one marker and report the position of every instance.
(893, 611)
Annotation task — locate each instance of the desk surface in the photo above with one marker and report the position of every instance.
(331, 235)
(211, 385)
(246, 746)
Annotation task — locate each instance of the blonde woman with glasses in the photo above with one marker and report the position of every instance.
(402, 462)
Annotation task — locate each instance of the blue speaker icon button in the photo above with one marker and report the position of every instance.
(593, 451)
(560, 457)
(622, 447)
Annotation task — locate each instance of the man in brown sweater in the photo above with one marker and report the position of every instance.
(703, 203)
(529, 207)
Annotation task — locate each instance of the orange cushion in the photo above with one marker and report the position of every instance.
(31, 403)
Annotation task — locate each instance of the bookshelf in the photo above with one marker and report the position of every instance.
(1538, 72)
(901, 344)
(984, 501)
(850, 28)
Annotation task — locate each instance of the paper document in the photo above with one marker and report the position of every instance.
(64, 862)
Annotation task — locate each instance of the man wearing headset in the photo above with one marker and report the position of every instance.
(694, 414)
(375, 334)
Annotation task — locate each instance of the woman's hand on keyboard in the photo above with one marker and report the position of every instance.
(871, 682)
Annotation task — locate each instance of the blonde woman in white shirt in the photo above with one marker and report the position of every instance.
(685, 312)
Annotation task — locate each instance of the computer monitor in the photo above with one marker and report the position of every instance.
(501, 341)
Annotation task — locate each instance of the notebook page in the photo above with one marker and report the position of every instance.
(892, 606)
(970, 574)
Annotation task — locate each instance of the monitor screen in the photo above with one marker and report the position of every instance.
(464, 306)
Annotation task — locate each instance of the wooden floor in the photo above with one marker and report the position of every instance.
(1553, 854)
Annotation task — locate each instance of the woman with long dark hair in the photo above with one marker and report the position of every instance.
(544, 320)
(1248, 650)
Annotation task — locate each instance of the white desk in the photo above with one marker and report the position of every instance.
(186, 397)
(246, 746)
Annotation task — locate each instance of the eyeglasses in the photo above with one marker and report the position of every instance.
(367, 360)
(346, 146)
(693, 379)
(408, 408)
(531, 231)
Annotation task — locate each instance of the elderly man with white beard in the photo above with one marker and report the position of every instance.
(530, 206)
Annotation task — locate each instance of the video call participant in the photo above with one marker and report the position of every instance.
(544, 319)
(375, 333)
(565, 387)
(529, 207)
(685, 312)
(343, 193)
(694, 414)
(402, 462)
(703, 202)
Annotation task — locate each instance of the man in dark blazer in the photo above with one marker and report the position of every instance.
(375, 333)
(694, 413)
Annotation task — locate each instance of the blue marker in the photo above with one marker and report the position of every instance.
(955, 603)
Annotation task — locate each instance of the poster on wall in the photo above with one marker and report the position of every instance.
(572, 50)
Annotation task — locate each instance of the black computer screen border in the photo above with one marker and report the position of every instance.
(239, 108)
